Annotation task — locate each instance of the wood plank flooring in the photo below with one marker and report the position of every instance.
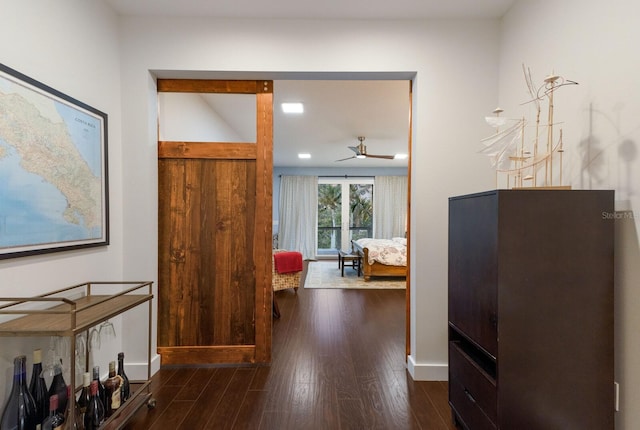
(338, 363)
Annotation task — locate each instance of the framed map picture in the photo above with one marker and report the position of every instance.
(53, 170)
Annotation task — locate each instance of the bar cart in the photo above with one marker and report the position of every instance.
(77, 309)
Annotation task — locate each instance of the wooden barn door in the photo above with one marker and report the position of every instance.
(215, 198)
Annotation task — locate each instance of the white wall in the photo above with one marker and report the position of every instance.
(594, 44)
(455, 65)
(187, 117)
(75, 50)
(72, 46)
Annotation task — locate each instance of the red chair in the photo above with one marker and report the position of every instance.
(282, 281)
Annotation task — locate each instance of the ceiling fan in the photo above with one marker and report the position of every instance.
(361, 152)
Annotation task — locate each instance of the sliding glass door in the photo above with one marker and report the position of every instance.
(345, 212)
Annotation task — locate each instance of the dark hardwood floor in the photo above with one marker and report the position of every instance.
(338, 363)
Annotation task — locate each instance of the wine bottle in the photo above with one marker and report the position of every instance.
(94, 416)
(85, 393)
(55, 420)
(59, 387)
(20, 410)
(125, 391)
(76, 422)
(38, 388)
(112, 386)
(102, 392)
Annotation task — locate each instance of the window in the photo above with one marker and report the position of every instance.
(345, 212)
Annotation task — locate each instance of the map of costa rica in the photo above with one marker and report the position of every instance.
(51, 186)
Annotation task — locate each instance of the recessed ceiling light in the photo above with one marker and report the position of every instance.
(304, 155)
(400, 157)
(292, 107)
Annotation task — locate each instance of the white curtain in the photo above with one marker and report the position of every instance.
(298, 215)
(390, 207)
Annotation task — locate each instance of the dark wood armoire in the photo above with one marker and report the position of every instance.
(531, 332)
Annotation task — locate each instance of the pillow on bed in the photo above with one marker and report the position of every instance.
(400, 240)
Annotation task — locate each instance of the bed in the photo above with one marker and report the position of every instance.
(382, 257)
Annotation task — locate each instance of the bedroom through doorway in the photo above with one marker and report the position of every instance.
(327, 132)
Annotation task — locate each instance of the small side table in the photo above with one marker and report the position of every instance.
(344, 258)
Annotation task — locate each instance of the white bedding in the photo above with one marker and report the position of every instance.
(392, 252)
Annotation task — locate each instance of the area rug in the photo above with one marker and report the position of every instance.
(325, 274)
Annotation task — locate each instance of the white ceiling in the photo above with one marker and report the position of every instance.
(313, 9)
(336, 111)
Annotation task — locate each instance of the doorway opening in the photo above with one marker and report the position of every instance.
(277, 78)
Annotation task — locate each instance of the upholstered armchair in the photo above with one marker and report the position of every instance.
(282, 281)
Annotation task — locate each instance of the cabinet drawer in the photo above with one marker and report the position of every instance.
(475, 385)
(467, 408)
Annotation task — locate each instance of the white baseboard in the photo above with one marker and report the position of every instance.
(138, 371)
(427, 371)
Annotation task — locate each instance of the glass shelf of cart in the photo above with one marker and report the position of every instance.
(70, 310)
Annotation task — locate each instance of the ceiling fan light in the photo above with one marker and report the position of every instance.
(361, 156)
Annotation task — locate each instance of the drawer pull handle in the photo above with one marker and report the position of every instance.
(469, 396)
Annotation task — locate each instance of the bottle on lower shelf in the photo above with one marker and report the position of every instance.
(94, 416)
(55, 420)
(102, 392)
(38, 387)
(76, 423)
(20, 409)
(125, 391)
(85, 394)
(59, 387)
(112, 386)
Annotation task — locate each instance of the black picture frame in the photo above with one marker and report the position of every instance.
(54, 182)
